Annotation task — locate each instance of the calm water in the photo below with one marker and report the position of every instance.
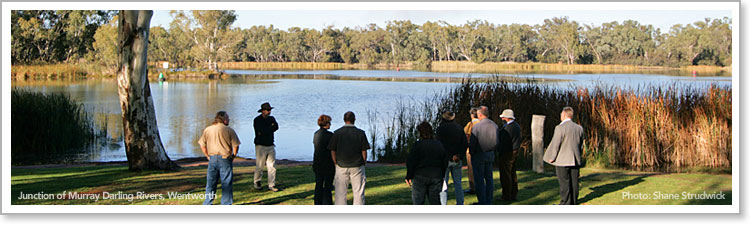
(184, 108)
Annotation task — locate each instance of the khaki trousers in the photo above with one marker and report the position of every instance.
(265, 156)
(345, 175)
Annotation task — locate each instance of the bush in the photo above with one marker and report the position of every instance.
(47, 127)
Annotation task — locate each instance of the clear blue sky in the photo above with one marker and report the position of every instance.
(318, 19)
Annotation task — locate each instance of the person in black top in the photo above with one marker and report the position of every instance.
(425, 167)
(323, 163)
(265, 152)
(348, 147)
(510, 142)
(454, 141)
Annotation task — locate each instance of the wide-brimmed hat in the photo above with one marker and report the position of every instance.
(508, 113)
(265, 106)
(448, 115)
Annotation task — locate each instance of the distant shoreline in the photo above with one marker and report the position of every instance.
(54, 71)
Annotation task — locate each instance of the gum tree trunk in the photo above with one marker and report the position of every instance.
(141, 135)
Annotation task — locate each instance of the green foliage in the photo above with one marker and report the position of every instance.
(202, 38)
(49, 36)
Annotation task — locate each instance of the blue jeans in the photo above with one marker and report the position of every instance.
(482, 163)
(455, 169)
(219, 170)
(426, 186)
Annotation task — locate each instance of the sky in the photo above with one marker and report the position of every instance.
(319, 19)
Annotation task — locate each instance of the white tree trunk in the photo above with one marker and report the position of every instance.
(141, 135)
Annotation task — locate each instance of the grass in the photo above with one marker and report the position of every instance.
(384, 186)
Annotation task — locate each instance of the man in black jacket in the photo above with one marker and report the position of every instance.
(265, 152)
(510, 138)
(450, 134)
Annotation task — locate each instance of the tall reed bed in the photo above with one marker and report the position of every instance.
(48, 127)
(500, 67)
(650, 128)
(57, 71)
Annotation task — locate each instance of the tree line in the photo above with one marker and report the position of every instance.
(200, 39)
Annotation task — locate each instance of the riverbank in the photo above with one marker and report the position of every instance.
(385, 186)
(59, 71)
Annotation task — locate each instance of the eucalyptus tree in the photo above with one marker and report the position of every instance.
(143, 145)
(210, 31)
(562, 36)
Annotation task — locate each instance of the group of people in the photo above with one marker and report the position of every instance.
(220, 144)
(339, 157)
(434, 160)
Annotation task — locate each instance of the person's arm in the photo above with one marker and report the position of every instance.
(332, 146)
(554, 146)
(235, 150)
(364, 156)
(257, 127)
(473, 144)
(205, 152)
(202, 143)
(274, 125)
(411, 163)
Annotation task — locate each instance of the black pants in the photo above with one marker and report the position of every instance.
(568, 178)
(323, 188)
(508, 178)
(426, 187)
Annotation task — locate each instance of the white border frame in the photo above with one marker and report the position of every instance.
(734, 7)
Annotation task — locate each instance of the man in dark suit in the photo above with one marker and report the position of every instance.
(564, 152)
(510, 138)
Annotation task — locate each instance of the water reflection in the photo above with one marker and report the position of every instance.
(184, 107)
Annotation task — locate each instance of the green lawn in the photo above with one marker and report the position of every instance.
(384, 186)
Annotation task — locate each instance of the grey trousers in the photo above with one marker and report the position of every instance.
(344, 176)
(265, 156)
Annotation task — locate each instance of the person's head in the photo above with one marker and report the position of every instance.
(221, 117)
(324, 121)
(507, 115)
(265, 109)
(473, 112)
(449, 116)
(483, 112)
(567, 113)
(425, 130)
(349, 117)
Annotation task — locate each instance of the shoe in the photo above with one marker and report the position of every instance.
(257, 186)
(469, 192)
(274, 189)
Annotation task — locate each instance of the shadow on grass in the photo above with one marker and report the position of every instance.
(604, 189)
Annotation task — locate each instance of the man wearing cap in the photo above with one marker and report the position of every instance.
(483, 144)
(564, 152)
(510, 142)
(450, 134)
(219, 144)
(348, 147)
(265, 153)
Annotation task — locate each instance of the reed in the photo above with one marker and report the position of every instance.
(58, 71)
(508, 67)
(650, 128)
(48, 127)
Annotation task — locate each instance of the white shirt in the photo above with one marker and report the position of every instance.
(566, 120)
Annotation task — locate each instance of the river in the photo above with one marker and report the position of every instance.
(185, 107)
